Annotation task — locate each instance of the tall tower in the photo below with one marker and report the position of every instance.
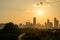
(56, 22)
(49, 24)
(34, 20)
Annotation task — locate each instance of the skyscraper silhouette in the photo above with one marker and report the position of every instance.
(48, 24)
(34, 20)
(56, 22)
(28, 24)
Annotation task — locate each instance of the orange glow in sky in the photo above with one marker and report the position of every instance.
(19, 11)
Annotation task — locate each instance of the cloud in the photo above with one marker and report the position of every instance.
(43, 5)
(51, 0)
(46, 4)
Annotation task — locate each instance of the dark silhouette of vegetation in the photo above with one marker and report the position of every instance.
(9, 32)
(12, 32)
(35, 34)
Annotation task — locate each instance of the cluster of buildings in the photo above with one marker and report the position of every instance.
(47, 25)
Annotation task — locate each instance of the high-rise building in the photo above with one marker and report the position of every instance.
(48, 24)
(34, 20)
(56, 23)
(27, 23)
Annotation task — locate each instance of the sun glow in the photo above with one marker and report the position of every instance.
(40, 12)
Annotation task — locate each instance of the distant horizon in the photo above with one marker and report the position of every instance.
(32, 22)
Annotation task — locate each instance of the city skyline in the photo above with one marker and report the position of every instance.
(47, 25)
(20, 11)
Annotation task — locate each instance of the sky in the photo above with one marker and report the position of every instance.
(20, 11)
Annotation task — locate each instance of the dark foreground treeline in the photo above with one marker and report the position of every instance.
(12, 32)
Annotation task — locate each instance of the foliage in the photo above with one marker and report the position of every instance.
(12, 32)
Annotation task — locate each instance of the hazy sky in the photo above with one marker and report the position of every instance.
(20, 11)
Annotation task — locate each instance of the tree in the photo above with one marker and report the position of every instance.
(10, 28)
